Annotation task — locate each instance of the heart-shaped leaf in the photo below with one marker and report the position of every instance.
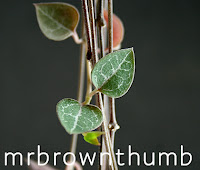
(78, 119)
(114, 73)
(91, 137)
(57, 21)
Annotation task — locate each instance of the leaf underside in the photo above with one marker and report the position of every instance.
(77, 119)
(114, 73)
(57, 21)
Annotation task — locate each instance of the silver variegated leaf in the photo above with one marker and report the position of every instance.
(78, 119)
(114, 73)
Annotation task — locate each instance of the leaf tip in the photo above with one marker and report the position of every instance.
(99, 144)
(131, 48)
(35, 4)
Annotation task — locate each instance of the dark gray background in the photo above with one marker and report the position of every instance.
(161, 110)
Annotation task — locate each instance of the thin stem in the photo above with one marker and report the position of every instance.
(89, 82)
(76, 38)
(95, 57)
(82, 69)
(87, 27)
(105, 128)
(93, 33)
(101, 24)
(110, 26)
(88, 97)
(80, 91)
(101, 36)
(107, 137)
(113, 125)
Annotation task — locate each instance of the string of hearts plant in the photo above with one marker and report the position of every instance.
(111, 74)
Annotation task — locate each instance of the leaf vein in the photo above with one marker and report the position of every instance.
(51, 18)
(118, 68)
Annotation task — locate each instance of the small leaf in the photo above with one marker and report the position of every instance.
(78, 119)
(57, 21)
(91, 137)
(113, 74)
(118, 29)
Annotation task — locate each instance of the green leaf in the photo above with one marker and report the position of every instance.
(57, 21)
(78, 119)
(91, 137)
(114, 73)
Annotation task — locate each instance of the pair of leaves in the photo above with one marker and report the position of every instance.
(113, 76)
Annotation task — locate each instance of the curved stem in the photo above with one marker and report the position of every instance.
(88, 97)
(76, 38)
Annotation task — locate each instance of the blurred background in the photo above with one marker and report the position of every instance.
(161, 110)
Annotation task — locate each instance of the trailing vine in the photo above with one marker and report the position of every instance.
(108, 76)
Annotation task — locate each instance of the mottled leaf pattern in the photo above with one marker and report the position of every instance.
(113, 74)
(78, 119)
(57, 21)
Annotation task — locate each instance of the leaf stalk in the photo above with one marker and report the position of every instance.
(76, 38)
(88, 98)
